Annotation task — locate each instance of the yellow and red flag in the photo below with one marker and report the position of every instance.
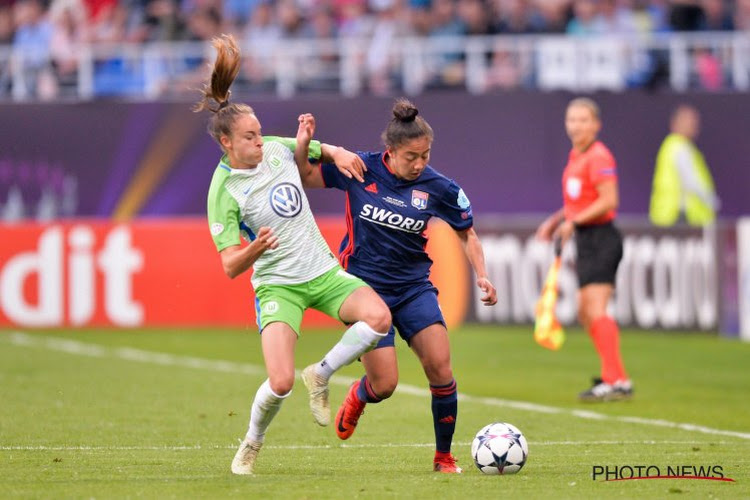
(547, 330)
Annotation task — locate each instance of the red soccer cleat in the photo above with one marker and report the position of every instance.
(445, 463)
(349, 412)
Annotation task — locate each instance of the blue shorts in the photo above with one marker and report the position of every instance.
(413, 308)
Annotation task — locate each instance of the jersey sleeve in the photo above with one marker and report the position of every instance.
(333, 178)
(455, 208)
(602, 167)
(223, 217)
(291, 144)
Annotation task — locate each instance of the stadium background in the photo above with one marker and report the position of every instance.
(108, 177)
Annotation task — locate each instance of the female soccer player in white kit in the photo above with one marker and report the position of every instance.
(256, 191)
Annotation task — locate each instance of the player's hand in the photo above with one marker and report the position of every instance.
(306, 128)
(265, 240)
(350, 164)
(490, 294)
(564, 231)
(545, 230)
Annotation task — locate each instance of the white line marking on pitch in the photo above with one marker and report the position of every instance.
(165, 359)
(327, 446)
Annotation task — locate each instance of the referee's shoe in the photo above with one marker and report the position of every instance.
(602, 391)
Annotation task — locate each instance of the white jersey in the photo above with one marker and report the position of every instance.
(241, 201)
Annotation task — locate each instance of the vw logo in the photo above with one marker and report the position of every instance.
(286, 200)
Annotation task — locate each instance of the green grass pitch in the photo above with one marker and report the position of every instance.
(158, 414)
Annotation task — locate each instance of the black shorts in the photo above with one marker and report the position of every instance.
(598, 253)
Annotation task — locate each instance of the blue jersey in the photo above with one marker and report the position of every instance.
(386, 218)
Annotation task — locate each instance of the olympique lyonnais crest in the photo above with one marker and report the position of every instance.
(419, 199)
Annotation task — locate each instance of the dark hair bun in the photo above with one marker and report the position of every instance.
(405, 111)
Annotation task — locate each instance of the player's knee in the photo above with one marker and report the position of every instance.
(281, 385)
(439, 372)
(378, 317)
(384, 389)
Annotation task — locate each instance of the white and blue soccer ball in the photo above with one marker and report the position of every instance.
(499, 448)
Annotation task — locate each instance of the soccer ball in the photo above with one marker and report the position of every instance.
(499, 448)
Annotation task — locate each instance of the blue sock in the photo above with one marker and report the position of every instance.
(444, 413)
(365, 392)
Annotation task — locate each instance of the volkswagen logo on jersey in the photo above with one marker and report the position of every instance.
(286, 200)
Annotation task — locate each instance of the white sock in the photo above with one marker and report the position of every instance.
(356, 341)
(265, 406)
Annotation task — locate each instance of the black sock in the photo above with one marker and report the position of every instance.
(444, 413)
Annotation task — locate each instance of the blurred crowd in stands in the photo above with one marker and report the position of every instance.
(50, 30)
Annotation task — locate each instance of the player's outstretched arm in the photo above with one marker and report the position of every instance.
(350, 164)
(474, 252)
(311, 176)
(238, 259)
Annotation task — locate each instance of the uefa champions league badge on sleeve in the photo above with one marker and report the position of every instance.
(463, 200)
(419, 199)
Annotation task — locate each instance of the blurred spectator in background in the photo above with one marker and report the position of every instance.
(506, 71)
(353, 18)
(649, 16)
(262, 34)
(70, 30)
(444, 19)
(380, 61)
(585, 13)
(742, 15)
(238, 12)
(707, 69)
(441, 23)
(203, 24)
(683, 186)
(422, 17)
(475, 16)
(715, 16)
(556, 14)
(615, 18)
(6, 37)
(6, 23)
(31, 51)
(110, 25)
(516, 17)
(162, 20)
(322, 72)
(290, 19)
(685, 15)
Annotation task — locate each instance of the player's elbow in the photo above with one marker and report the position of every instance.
(614, 203)
(308, 181)
(312, 178)
(230, 272)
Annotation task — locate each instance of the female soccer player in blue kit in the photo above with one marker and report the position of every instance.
(256, 192)
(389, 203)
